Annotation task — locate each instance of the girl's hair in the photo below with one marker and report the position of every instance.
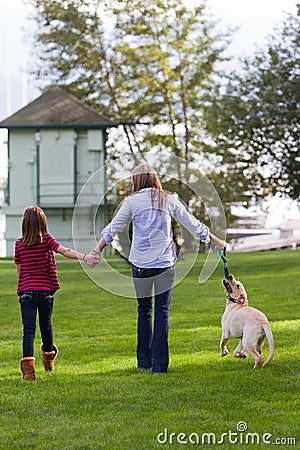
(144, 176)
(34, 226)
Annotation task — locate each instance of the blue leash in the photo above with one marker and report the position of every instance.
(224, 259)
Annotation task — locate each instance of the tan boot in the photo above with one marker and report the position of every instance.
(48, 358)
(27, 368)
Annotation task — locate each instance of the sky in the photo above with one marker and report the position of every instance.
(255, 19)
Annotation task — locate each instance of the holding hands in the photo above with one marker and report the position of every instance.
(92, 258)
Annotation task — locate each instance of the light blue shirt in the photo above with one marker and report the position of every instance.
(152, 240)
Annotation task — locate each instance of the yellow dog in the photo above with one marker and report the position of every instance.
(241, 321)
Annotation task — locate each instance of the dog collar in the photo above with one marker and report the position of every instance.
(234, 300)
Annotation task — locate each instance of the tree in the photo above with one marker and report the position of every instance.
(170, 55)
(255, 118)
(155, 65)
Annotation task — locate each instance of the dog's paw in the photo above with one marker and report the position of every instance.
(224, 352)
(240, 355)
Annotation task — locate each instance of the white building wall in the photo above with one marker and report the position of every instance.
(22, 183)
(90, 158)
(22, 169)
(89, 217)
(56, 168)
(59, 210)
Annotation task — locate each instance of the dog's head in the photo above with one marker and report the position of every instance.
(235, 289)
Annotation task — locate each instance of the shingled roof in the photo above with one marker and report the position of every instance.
(57, 108)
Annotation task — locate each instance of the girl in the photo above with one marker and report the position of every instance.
(37, 283)
(153, 258)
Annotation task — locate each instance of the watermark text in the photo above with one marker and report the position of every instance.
(238, 436)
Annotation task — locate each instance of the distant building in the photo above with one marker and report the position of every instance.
(54, 145)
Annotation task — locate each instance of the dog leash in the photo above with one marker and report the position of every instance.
(224, 259)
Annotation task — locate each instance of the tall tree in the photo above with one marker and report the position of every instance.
(170, 52)
(139, 61)
(255, 118)
(69, 48)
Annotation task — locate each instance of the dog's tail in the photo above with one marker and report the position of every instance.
(269, 335)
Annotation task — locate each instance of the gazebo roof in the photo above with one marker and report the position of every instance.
(57, 108)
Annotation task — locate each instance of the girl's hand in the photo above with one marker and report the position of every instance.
(92, 258)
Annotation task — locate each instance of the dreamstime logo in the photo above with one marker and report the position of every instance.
(88, 220)
(238, 436)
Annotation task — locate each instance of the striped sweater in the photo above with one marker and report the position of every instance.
(38, 268)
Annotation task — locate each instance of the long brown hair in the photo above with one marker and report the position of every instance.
(144, 176)
(34, 226)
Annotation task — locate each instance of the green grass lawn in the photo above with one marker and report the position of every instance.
(96, 398)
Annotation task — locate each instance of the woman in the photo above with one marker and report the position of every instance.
(153, 258)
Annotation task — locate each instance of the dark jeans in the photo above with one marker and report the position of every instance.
(153, 347)
(31, 302)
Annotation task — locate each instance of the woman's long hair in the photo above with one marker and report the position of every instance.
(144, 176)
(34, 226)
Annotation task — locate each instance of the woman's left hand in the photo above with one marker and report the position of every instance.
(92, 258)
(220, 245)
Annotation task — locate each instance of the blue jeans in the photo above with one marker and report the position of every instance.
(32, 302)
(153, 347)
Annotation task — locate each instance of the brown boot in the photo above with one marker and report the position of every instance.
(27, 368)
(48, 358)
